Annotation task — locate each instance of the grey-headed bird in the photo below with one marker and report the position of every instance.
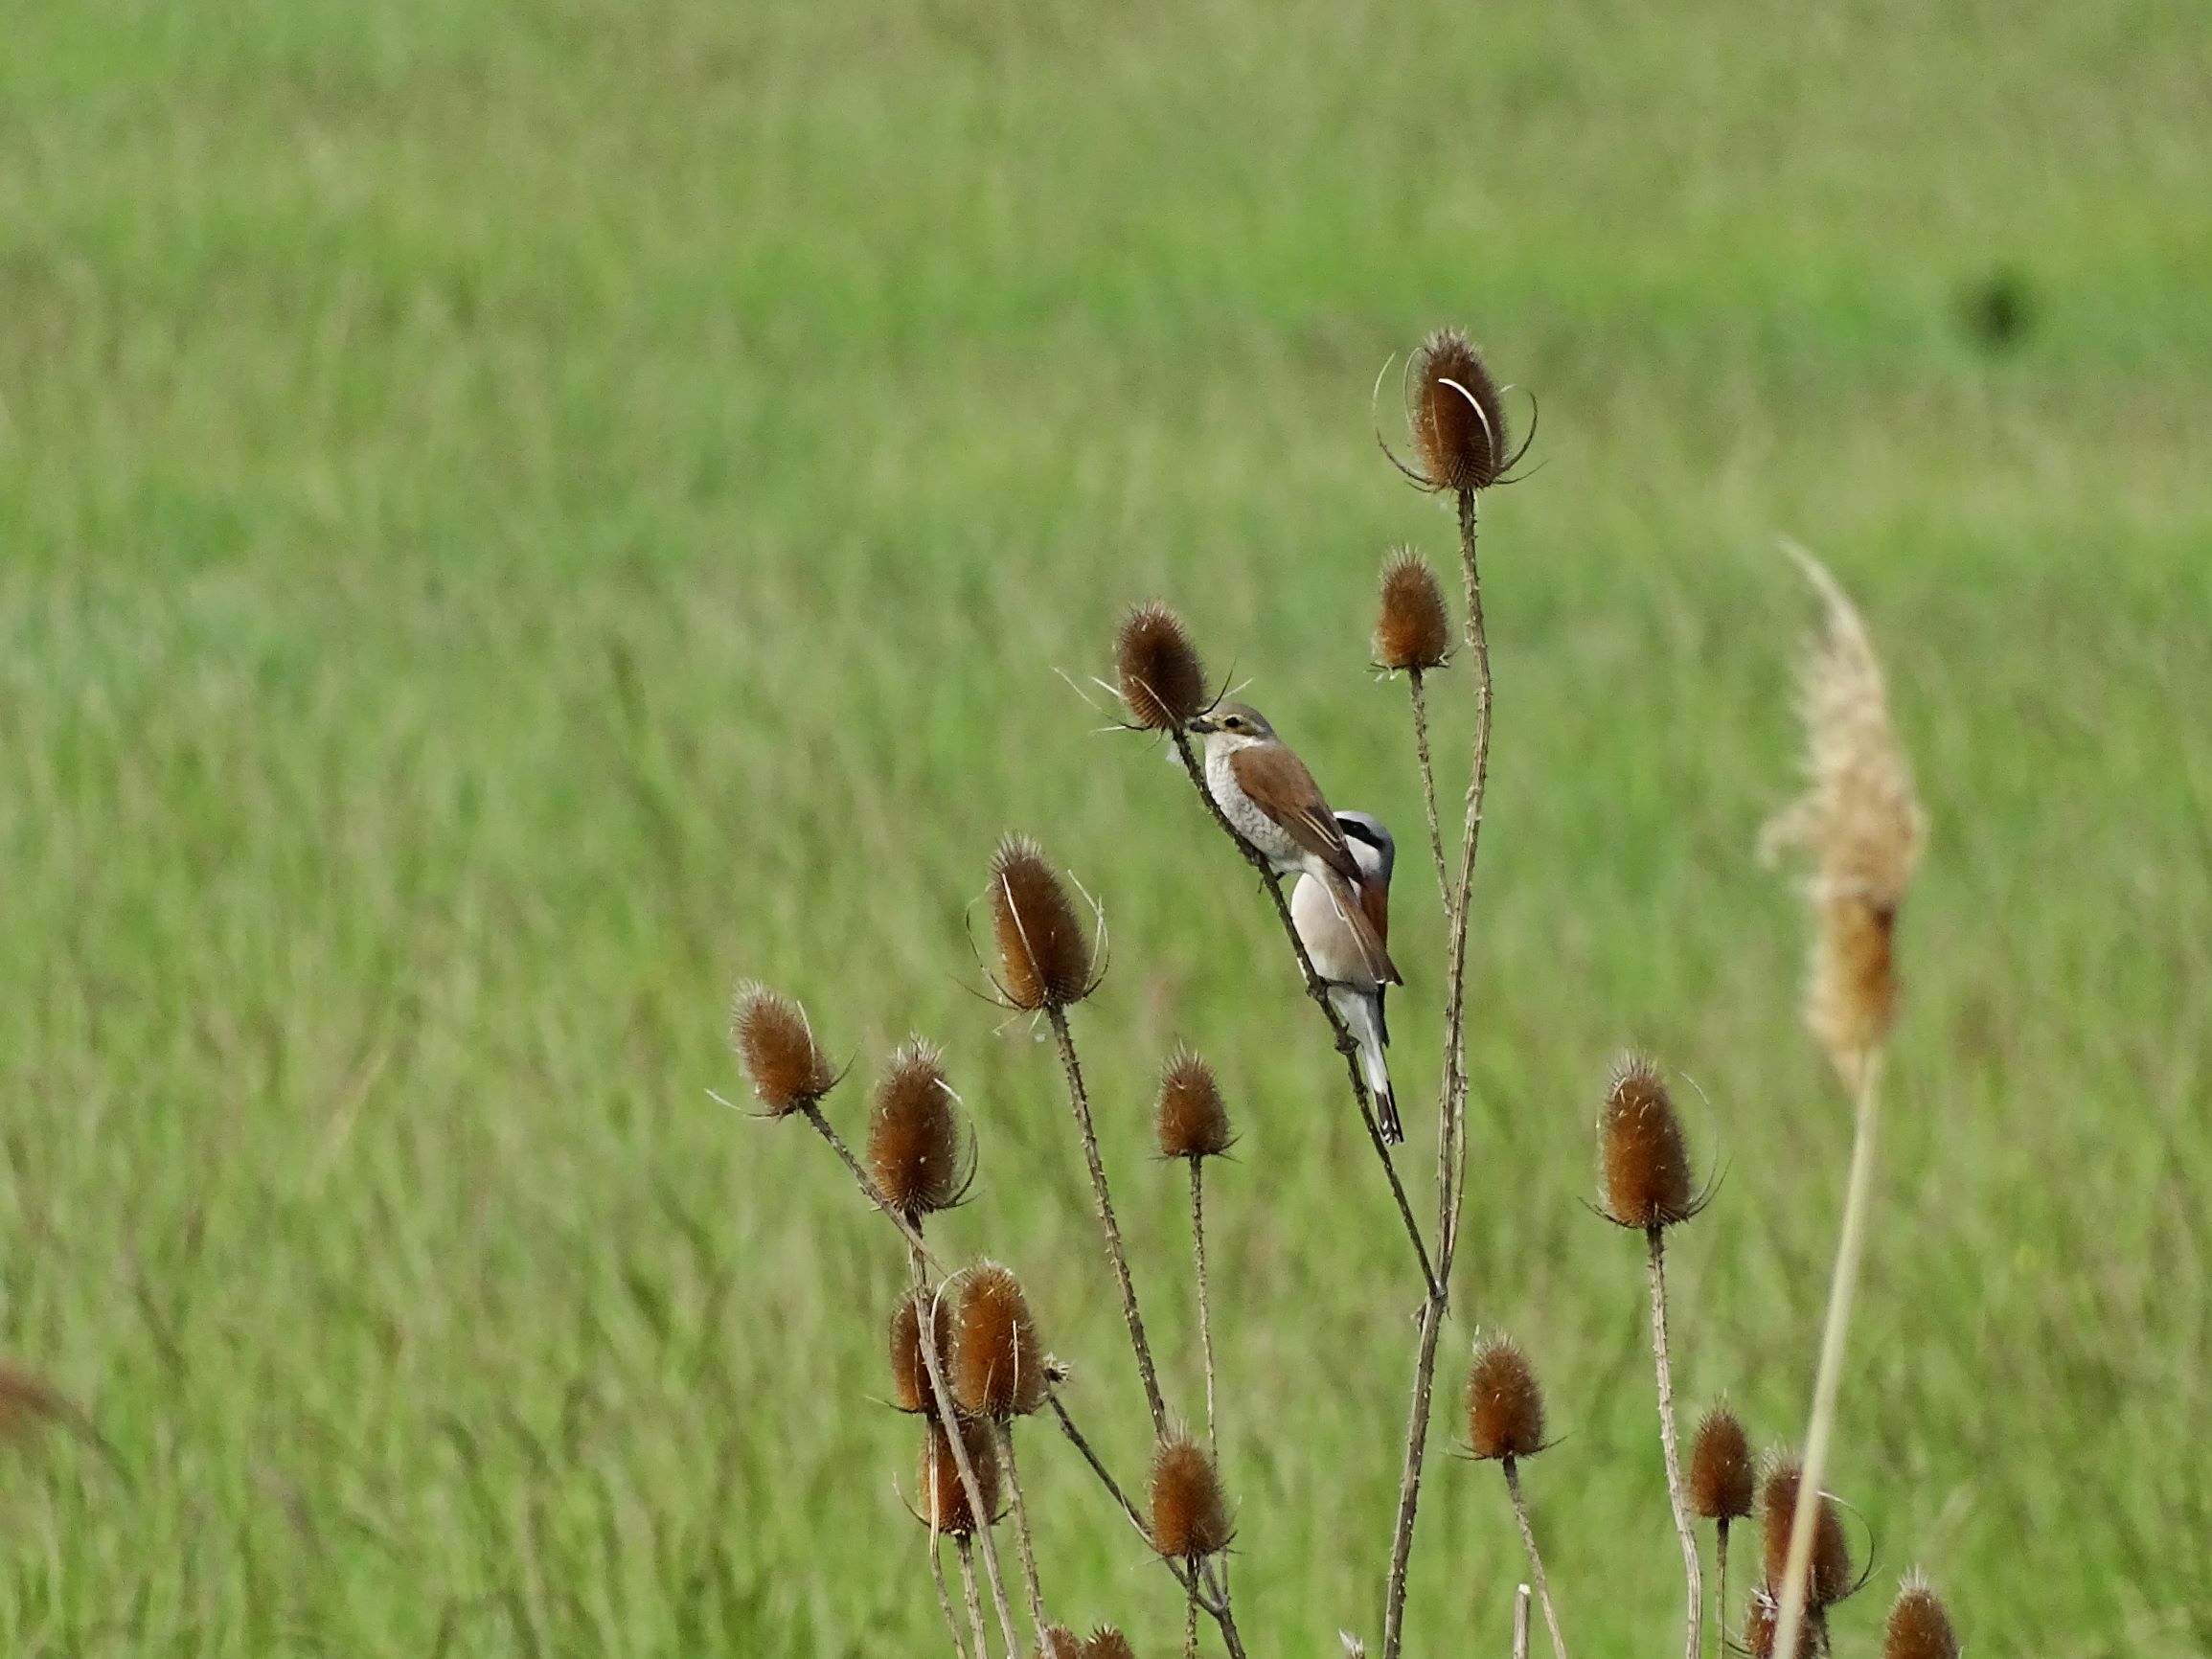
(1265, 791)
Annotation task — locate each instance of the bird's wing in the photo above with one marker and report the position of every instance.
(1277, 783)
(1375, 901)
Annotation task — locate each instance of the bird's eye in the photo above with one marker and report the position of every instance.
(1234, 723)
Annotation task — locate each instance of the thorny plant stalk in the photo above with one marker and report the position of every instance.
(974, 1605)
(1721, 1588)
(1543, 1593)
(944, 1595)
(1079, 1099)
(1318, 990)
(1191, 1621)
(976, 1506)
(1521, 1623)
(1849, 1245)
(1451, 1135)
(1428, 785)
(1694, 1617)
(915, 1244)
(1205, 1306)
(1023, 1542)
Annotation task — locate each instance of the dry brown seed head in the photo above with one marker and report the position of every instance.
(1108, 1642)
(1919, 1628)
(1457, 413)
(1043, 952)
(1192, 1120)
(1163, 683)
(910, 1389)
(1190, 1517)
(1827, 1579)
(1723, 1484)
(1504, 1406)
(776, 1044)
(998, 1368)
(1647, 1164)
(915, 1150)
(1059, 1642)
(1413, 629)
(939, 1491)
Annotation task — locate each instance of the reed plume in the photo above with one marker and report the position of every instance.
(1162, 682)
(916, 1152)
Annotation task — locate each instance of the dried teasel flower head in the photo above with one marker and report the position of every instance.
(916, 1152)
(998, 1367)
(1828, 1579)
(1861, 827)
(1190, 1516)
(938, 1487)
(1108, 1642)
(1059, 1642)
(910, 1390)
(1413, 629)
(1723, 1482)
(1193, 1122)
(1457, 413)
(770, 1030)
(1162, 681)
(1919, 1628)
(1504, 1406)
(1646, 1161)
(1043, 952)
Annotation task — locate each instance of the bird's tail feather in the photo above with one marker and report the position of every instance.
(1362, 1013)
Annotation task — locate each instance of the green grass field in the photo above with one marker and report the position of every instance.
(513, 517)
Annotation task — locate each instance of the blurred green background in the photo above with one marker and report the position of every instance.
(515, 515)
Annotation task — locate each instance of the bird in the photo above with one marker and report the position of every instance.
(1354, 990)
(1270, 799)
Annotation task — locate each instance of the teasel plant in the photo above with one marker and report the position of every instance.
(1723, 1489)
(1505, 1423)
(1193, 1125)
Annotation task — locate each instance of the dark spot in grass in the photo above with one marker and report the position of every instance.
(1998, 311)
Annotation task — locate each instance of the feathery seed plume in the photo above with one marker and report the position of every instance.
(1647, 1165)
(1860, 827)
(1828, 1579)
(1192, 1120)
(1457, 413)
(1919, 1628)
(1413, 629)
(1723, 1484)
(1190, 1517)
(1504, 1406)
(776, 1044)
(998, 1369)
(938, 1486)
(1163, 683)
(915, 1150)
(1043, 951)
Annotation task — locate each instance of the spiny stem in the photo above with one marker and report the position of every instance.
(1428, 785)
(1684, 1527)
(1191, 1621)
(1721, 1591)
(1205, 1308)
(974, 1604)
(1521, 1623)
(1079, 1098)
(1850, 1243)
(978, 1510)
(945, 1597)
(1409, 1478)
(1535, 1561)
(868, 1187)
(1021, 1536)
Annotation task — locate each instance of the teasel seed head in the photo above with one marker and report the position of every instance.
(1059, 1642)
(1193, 1122)
(938, 1486)
(1504, 1405)
(910, 1390)
(1108, 1642)
(1043, 952)
(1919, 1628)
(998, 1367)
(1723, 1482)
(776, 1045)
(1457, 413)
(1861, 827)
(1827, 1579)
(916, 1152)
(1162, 681)
(1190, 1516)
(1413, 629)
(1647, 1163)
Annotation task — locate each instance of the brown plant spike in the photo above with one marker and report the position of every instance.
(1504, 1405)
(1723, 1484)
(1193, 1122)
(1163, 683)
(914, 1143)
(1059, 1642)
(1457, 415)
(998, 1369)
(1413, 629)
(909, 1373)
(1919, 1629)
(1828, 1580)
(938, 1486)
(1759, 1621)
(1108, 1642)
(1647, 1164)
(1190, 1517)
(776, 1045)
(1043, 952)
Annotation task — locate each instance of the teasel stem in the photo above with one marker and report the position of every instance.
(1429, 784)
(1521, 1623)
(873, 1193)
(1191, 1621)
(974, 1603)
(1205, 1306)
(949, 1415)
(1676, 1498)
(1535, 1561)
(1720, 1590)
(1850, 1244)
(945, 1598)
(1317, 989)
(1023, 1542)
(1079, 1099)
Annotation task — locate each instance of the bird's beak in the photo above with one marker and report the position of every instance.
(1200, 724)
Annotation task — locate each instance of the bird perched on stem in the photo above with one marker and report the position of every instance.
(1339, 956)
(1265, 791)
